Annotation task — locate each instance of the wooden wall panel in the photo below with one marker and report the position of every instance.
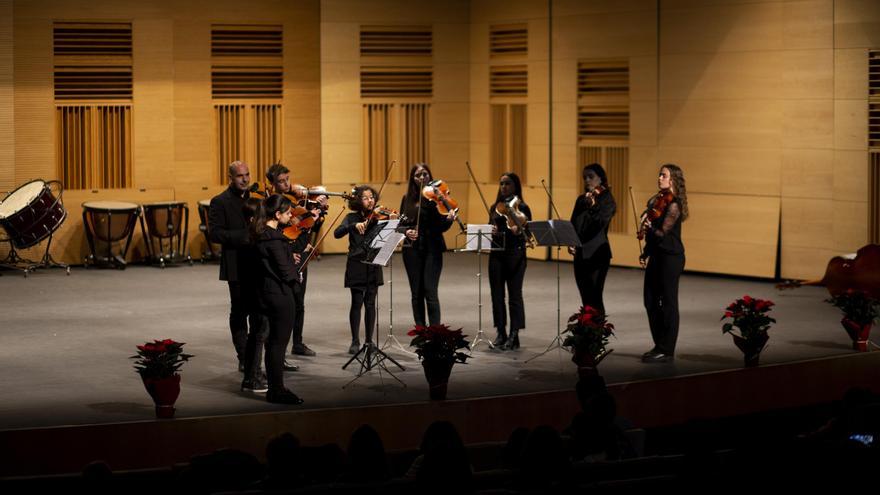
(7, 98)
(850, 73)
(34, 143)
(850, 124)
(706, 28)
(808, 124)
(721, 123)
(849, 225)
(807, 173)
(850, 180)
(153, 104)
(805, 24)
(855, 24)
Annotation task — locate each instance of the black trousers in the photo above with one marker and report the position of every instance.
(589, 274)
(244, 314)
(507, 268)
(363, 297)
(299, 315)
(280, 310)
(423, 271)
(661, 299)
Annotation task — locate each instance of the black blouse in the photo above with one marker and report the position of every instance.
(358, 273)
(664, 236)
(276, 260)
(591, 223)
(504, 237)
(432, 225)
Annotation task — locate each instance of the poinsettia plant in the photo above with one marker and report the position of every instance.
(857, 306)
(159, 359)
(438, 342)
(588, 330)
(749, 316)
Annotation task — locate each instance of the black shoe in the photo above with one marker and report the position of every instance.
(354, 347)
(657, 357)
(512, 341)
(500, 338)
(650, 353)
(303, 350)
(283, 396)
(289, 366)
(257, 386)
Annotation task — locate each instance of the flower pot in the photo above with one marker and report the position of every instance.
(437, 373)
(164, 392)
(587, 362)
(858, 333)
(751, 348)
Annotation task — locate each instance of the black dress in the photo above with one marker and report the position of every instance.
(508, 267)
(665, 253)
(362, 279)
(423, 258)
(593, 257)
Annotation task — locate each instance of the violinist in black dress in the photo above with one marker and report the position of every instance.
(664, 260)
(362, 279)
(423, 255)
(591, 216)
(507, 267)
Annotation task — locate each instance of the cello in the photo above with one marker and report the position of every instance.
(860, 272)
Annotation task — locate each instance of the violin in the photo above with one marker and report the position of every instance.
(860, 273)
(437, 192)
(595, 193)
(509, 209)
(306, 220)
(382, 213)
(656, 207)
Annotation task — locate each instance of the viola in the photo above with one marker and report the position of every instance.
(656, 207)
(437, 192)
(305, 220)
(509, 209)
(861, 273)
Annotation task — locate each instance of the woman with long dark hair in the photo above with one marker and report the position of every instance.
(591, 216)
(276, 290)
(361, 278)
(664, 260)
(423, 256)
(507, 266)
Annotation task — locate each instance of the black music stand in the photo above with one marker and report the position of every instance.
(478, 238)
(554, 233)
(370, 356)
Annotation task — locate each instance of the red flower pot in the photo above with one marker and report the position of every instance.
(164, 392)
(858, 333)
(437, 373)
(751, 348)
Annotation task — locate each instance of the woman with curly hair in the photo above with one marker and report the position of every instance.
(663, 258)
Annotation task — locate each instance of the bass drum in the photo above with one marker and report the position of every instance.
(32, 213)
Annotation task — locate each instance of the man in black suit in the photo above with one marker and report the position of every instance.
(229, 228)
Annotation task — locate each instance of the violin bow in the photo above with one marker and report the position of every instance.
(318, 244)
(387, 175)
(636, 218)
(558, 216)
(471, 173)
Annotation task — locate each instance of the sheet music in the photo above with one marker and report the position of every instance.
(389, 244)
(478, 234)
(388, 228)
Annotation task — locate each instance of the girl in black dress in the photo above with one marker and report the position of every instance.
(508, 266)
(279, 274)
(423, 256)
(591, 216)
(363, 279)
(664, 260)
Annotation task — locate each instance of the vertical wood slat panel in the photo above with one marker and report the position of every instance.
(874, 198)
(518, 139)
(498, 145)
(617, 158)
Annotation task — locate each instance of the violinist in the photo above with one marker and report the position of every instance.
(508, 266)
(362, 279)
(279, 276)
(279, 176)
(591, 216)
(423, 255)
(663, 258)
(229, 228)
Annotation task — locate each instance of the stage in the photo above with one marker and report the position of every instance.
(66, 340)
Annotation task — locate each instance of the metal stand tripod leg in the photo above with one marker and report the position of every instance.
(48, 262)
(13, 261)
(370, 356)
(556, 343)
(391, 339)
(480, 336)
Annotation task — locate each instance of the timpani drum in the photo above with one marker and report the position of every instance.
(105, 223)
(32, 213)
(209, 253)
(165, 225)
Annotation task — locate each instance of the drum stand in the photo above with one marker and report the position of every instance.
(13, 261)
(48, 261)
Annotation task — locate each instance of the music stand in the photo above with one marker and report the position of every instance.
(387, 241)
(370, 355)
(554, 233)
(478, 238)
